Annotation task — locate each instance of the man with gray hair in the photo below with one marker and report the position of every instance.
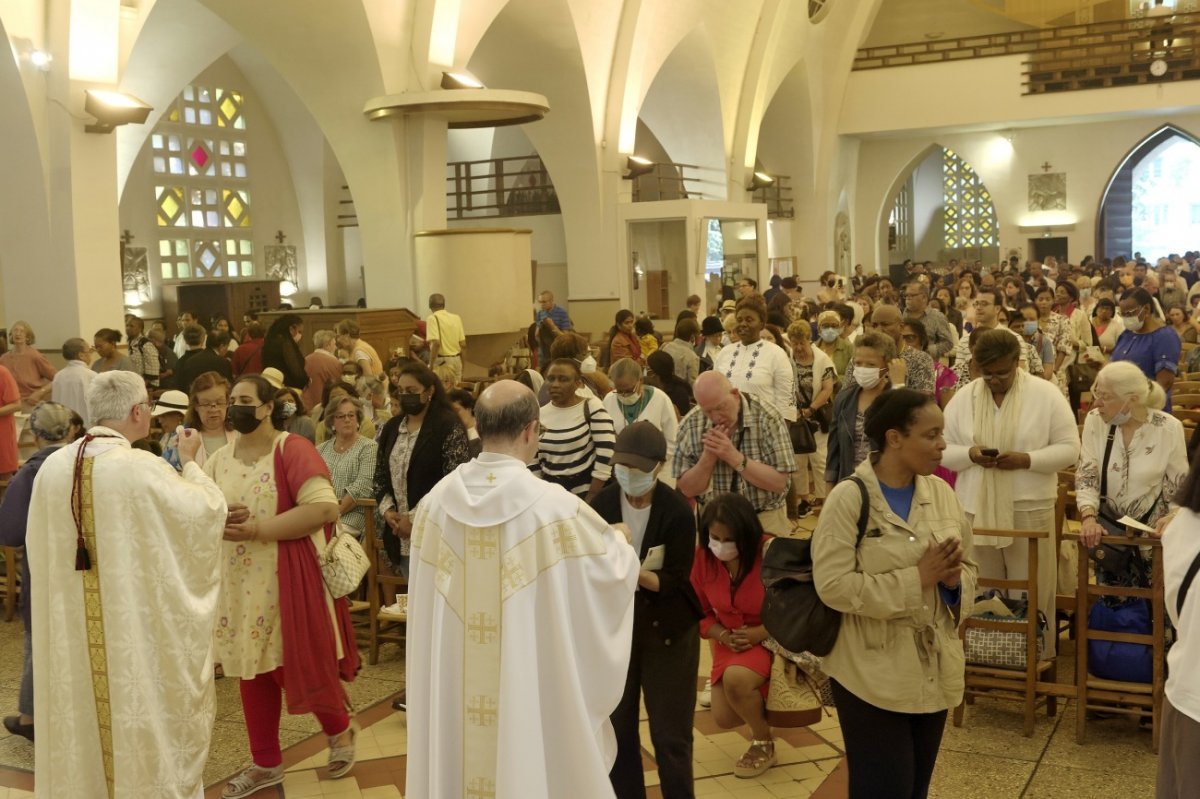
(125, 573)
(520, 624)
(71, 383)
(942, 337)
(322, 367)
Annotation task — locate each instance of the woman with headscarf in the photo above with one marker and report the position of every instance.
(53, 425)
(281, 349)
(1007, 436)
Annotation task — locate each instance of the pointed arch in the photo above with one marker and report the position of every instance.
(889, 200)
(1114, 224)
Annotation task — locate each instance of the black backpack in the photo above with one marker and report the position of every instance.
(792, 612)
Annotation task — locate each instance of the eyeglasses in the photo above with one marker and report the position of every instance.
(143, 404)
(212, 406)
(628, 393)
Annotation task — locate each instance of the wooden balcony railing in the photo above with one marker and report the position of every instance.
(1071, 57)
(517, 186)
(667, 181)
(777, 196)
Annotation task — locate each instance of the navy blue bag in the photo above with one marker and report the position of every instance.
(1111, 660)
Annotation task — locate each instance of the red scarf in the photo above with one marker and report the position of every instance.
(312, 671)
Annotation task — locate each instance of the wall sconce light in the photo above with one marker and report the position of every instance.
(112, 109)
(760, 180)
(287, 288)
(40, 60)
(460, 80)
(638, 166)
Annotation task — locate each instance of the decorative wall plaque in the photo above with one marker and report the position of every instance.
(1048, 192)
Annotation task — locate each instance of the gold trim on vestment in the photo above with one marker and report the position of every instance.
(481, 661)
(93, 611)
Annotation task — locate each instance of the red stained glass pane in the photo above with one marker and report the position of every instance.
(200, 156)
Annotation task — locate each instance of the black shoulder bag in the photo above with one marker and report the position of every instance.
(1121, 564)
(792, 612)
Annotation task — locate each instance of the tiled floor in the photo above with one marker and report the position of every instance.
(987, 758)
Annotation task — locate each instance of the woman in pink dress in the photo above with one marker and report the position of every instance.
(944, 381)
(727, 576)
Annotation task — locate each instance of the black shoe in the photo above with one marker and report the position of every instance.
(803, 509)
(400, 703)
(13, 725)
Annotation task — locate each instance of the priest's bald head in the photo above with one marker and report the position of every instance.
(506, 416)
(118, 400)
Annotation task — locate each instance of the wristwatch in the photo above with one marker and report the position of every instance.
(741, 467)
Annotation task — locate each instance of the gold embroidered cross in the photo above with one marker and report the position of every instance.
(513, 576)
(483, 628)
(481, 788)
(481, 711)
(565, 539)
(481, 543)
(491, 478)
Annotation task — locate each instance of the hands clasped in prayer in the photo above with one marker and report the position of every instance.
(718, 445)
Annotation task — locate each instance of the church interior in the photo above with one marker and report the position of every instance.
(350, 158)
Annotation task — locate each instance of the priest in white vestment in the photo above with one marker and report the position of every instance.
(520, 625)
(124, 561)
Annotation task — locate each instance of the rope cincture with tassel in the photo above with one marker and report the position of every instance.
(83, 559)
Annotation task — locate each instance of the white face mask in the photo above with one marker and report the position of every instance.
(829, 334)
(1133, 323)
(634, 482)
(630, 399)
(723, 550)
(867, 376)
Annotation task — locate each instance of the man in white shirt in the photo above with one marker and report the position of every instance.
(71, 383)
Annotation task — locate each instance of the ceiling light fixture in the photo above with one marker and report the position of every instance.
(638, 166)
(460, 80)
(112, 108)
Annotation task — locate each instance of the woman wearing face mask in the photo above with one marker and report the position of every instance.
(848, 441)
(897, 665)
(417, 448)
(1131, 448)
(351, 459)
(1008, 434)
(727, 577)
(281, 349)
(279, 630)
(295, 420)
(830, 341)
(1147, 342)
(756, 364)
(666, 640)
(631, 400)
(1025, 324)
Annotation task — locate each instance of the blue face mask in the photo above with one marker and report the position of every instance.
(1031, 328)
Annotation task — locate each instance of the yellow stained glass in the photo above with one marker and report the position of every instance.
(174, 115)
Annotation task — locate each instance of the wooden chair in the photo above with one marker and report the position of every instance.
(383, 625)
(1185, 387)
(1013, 684)
(1112, 696)
(1184, 401)
(1064, 508)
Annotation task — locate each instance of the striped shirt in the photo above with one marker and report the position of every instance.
(575, 448)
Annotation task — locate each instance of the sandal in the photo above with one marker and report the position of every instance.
(753, 763)
(341, 758)
(246, 783)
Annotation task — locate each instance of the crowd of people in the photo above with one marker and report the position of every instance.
(636, 477)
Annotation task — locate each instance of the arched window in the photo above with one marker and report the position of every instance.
(201, 192)
(969, 216)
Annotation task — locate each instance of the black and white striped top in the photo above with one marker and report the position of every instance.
(575, 449)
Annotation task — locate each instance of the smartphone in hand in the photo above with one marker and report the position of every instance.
(990, 453)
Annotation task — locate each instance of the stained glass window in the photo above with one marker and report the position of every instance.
(199, 150)
(968, 213)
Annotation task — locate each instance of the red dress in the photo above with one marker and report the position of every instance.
(9, 393)
(712, 583)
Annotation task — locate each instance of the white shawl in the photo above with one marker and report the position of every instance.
(994, 509)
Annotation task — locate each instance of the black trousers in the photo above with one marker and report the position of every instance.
(889, 755)
(666, 673)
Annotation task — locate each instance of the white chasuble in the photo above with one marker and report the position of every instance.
(519, 629)
(123, 700)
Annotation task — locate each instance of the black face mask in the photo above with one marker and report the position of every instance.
(242, 418)
(411, 404)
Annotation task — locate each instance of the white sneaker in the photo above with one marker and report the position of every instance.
(705, 697)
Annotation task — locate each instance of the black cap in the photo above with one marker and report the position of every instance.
(640, 445)
(711, 326)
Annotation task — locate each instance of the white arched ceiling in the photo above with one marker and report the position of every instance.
(785, 139)
(532, 46)
(683, 109)
(24, 203)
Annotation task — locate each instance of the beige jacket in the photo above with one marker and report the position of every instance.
(898, 648)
